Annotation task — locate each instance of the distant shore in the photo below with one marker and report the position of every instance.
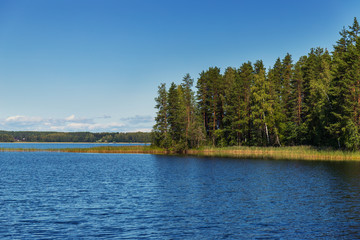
(270, 153)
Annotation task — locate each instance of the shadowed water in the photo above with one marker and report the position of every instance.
(130, 196)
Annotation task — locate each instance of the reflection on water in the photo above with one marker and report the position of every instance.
(66, 195)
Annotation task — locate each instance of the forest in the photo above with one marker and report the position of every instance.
(29, 136)
(314, 101)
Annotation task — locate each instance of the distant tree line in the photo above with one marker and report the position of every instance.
(8, 136)
(314, 101)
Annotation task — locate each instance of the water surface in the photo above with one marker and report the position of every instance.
(63, 145)
(138, 196)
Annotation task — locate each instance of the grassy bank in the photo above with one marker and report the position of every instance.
(278, 153)
(102, 149)
(115, 149)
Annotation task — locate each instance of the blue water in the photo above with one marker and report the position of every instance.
(137, 196)
(63, 145)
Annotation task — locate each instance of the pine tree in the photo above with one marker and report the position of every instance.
(344, 89)
(232, 100)
(245, 79)
(261, 106)
(289, 127)
(297, 102)
(203, 101)
(286, 79)
(314, 101)
(209, 96)
(188, 100)
(275, 83)
(177, 117)
(193, 130)
(316, 86)
(161, 127)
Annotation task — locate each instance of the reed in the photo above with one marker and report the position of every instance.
(117, 149)
(20, 150)
(274, 153)
(103, 149)
(279, 153)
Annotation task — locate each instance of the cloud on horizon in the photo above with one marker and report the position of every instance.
(75, 124)
(138, 120)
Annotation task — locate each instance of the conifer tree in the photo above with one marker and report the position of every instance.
(161, 127)
(261, 106)
(193, 130)
(288, 130)
(297, 102)
(344, 89)
(232, 100)
(203, 97)
(316, 86)
(177, 117)
(245, 79)
(314, 101)
(209, 96)
(275, 83)
(188, 101)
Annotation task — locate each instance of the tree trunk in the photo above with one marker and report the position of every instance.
(266, 130)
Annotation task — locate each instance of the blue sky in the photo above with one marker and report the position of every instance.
(90, 65)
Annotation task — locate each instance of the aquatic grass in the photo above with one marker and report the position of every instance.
(273, 153)
(21, 150)
(279, 153)
(101, 149)
(115, 149)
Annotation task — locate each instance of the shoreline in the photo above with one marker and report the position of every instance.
(267, 153)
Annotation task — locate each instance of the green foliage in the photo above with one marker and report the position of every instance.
(7, 136)
(210, 96)
(160, 134)
(344, 92)
(261, 111)
(314, 101)
(177, 124)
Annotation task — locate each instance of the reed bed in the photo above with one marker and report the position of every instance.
(107, 149)
(274, 153)
(21, 150)
(118, 149)
(279, 153)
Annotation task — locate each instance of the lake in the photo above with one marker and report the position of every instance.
(138, 196)
(62, 145)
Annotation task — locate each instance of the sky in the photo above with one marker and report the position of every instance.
(95, 65)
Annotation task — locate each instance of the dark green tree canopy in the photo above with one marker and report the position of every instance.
(314, 101)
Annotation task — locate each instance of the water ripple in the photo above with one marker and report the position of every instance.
(109, 196)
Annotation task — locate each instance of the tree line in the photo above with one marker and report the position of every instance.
(29, 136)
(314, 101)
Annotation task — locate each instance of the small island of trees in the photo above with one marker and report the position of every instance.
(314, 101)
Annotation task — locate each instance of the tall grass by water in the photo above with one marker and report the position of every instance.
(115, 149)
(280, 153)
(274, 153)
(101, 149)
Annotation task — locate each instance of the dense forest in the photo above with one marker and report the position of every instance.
(7, 136)
(314, 101)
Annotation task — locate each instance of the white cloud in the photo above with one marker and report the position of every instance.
(73, 123)
(142, 130)
(98, 127)
(19, 118)
(70, 118)
(105, 117)
(138, 120)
